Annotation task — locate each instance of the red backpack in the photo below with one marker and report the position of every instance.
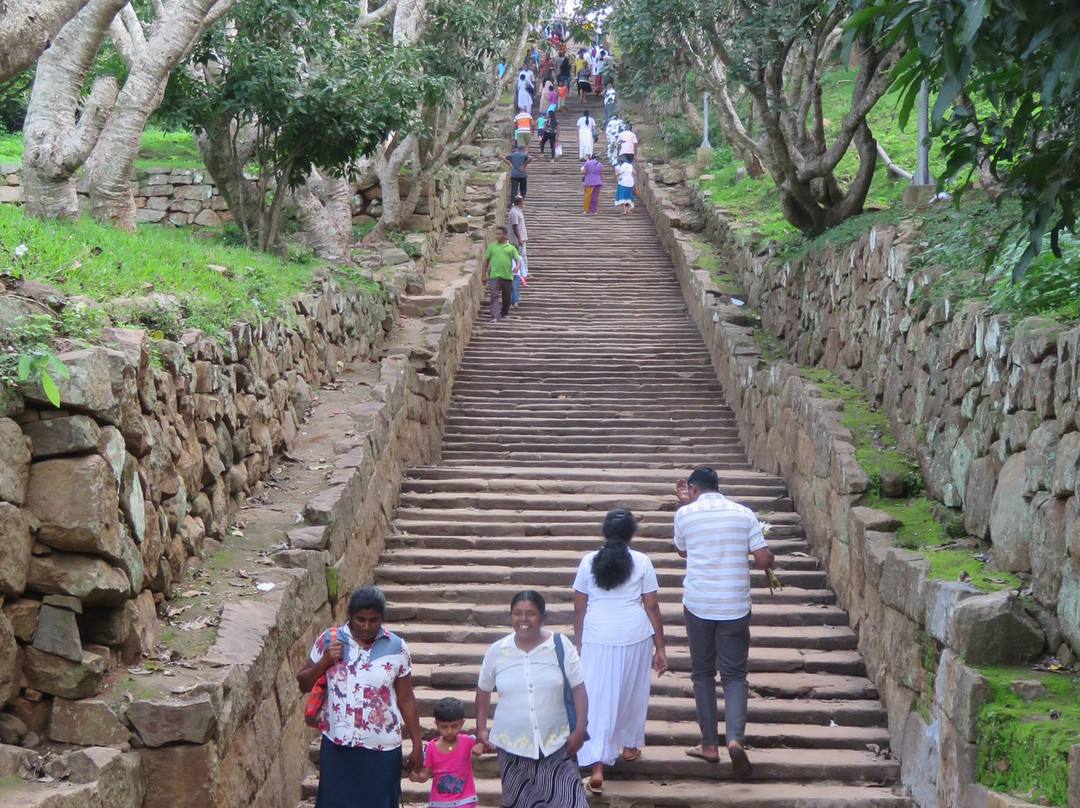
(316, 700)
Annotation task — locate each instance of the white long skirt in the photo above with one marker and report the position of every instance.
(617, 682)
(585, 143)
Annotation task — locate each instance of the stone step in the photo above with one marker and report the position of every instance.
(783, 540)
(661, 490)
(820, 638)
(619, 476)
(721, 793)
(434, 604)
(666, 560)
(535, 505)
(478, 523)
(766, 684)
(530, 576)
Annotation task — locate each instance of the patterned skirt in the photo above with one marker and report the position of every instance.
(550, 782)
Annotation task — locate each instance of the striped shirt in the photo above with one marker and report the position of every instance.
(717, 535)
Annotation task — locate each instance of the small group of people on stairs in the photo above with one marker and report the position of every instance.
(563, 705)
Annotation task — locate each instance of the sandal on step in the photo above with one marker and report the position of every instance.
(631, 758)
(591, 787)
(740, 763)
(696, 752)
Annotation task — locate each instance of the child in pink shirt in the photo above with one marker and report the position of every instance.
(448, 759)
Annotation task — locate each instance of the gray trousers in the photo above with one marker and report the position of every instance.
(723, 645)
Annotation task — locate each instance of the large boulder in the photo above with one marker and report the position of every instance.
(88, 386)
(994, 629)
(88, 578)
(61, 677)
(9, 657)
(163, 722)
(60, 436)
(75, 502)
(1010, 517)
(86, 722)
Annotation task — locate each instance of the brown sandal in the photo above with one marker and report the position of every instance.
(696, 752)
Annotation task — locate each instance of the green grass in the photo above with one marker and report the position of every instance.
(755, 202)
(159, 149)
(927, 526)
(102, 262)
(1023, 747)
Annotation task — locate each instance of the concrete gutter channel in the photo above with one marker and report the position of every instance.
(229, 730)
(789, 429)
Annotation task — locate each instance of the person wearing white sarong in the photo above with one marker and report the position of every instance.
(620, 635)
(586, 133)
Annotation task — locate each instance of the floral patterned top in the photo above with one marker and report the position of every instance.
(361, 703)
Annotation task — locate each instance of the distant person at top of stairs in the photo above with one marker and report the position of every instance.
(525, 86)
(715, 536)
(366, 707)
(531, 730)
(620, 635)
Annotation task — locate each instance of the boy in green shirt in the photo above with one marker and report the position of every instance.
(498, 272)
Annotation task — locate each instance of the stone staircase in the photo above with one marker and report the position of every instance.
(598, 392)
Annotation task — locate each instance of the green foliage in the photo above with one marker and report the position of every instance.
(27, 357)
(159, 147)
(14, 96)
(678, 138)
(318, 90)
(1007, 78)
(1023, 746)
(84, 257)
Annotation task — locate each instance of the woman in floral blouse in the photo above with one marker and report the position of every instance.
(369, 699)
(531, 730)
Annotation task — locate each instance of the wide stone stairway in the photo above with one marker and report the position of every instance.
(598, 392)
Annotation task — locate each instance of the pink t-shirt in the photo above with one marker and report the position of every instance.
(452, 783)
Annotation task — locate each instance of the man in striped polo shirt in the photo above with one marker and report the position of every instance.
(716, 536)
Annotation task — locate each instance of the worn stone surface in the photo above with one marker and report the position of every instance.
(60, 436)
(74, 501)
(15, 544)
(9, 655)
(1011, 518)
(994, 630)
(61, 677)
(22, 614)
(14, 462)
(87, 722)
(88, 578)
(164, 722)
(87, 386)
(58, 633)
(180, 776)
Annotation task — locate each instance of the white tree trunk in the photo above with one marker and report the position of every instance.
(111, 164)
(27, 28)
(324, 207)
(56, 137)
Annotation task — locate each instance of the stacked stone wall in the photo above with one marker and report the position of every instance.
(991, 415)
(106, 502)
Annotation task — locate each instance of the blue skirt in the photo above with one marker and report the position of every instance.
(355, 777)
(624, 194)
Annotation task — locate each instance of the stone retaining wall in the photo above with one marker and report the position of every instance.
(106, 502)
(915, 633)
(188, 197)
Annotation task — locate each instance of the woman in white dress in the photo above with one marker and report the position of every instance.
(586, 134)
(620, 636)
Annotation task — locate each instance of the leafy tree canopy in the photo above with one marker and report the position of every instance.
(1007, 78)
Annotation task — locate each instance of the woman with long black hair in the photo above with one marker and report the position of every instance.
(620, 635)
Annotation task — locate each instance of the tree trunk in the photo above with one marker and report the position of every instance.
(56, 137)
(27, 28)
(225, 151)
(110, 166)
(324, 207)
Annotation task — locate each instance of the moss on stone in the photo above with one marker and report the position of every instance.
(949, 563)
(871, 432)
(1023, 746)
(772, 349)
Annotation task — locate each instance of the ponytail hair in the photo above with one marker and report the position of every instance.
(612, 564)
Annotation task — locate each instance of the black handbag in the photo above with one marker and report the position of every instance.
(568, 692)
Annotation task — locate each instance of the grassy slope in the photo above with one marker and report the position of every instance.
(159, 148)
(84, 257)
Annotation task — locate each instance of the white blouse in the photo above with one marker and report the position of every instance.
(530, 717)
(616, 616)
